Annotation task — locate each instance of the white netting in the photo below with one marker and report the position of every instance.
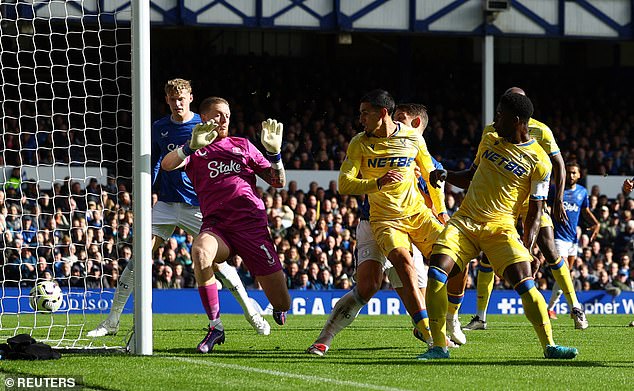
(65, 163)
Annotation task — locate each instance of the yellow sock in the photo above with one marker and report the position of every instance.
(536, 311)
(423, 327)
(484, 287)
(437, 305)
(454, 304)
(562, 277)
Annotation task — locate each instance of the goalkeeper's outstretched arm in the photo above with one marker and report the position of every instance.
(203, 134)
(272, 142)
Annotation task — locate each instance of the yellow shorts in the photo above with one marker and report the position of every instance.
(463, 239)
(422, 230)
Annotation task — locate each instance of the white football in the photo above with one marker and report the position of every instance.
(46, 296)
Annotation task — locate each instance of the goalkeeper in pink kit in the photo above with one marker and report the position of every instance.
(223, 171)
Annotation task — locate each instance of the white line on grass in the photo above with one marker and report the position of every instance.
(309, 378)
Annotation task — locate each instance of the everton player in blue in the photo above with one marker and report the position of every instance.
(575, 203)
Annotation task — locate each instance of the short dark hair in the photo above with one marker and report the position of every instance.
(573, 163)
(519, 105)
(415, 109)
(380, 99)
(206, 104)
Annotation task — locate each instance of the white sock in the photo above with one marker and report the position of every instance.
(554, 297)
(231, 280)
(125, 285)
(216, 324)
(453, 316)
(344, 313)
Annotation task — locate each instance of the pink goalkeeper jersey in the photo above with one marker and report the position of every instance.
(223, 175)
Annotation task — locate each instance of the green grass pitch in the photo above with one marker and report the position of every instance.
(375, 353)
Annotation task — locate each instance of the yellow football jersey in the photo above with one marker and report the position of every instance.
(506, 175)
(544, 137)
(373, 157)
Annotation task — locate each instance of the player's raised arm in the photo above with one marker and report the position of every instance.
(202, 135)
(349, 183)
(271, 138)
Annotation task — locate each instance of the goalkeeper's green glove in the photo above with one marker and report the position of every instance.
(272, 138)
(203, 134)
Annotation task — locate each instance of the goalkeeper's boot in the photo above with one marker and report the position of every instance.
(214, 337)
(556, 351)
(430, 343)
(317, 349)
(435, 353)
(454, 331)
(259, 324)
(581, 322)
(105, 328)
(279, 317)
(476, 324)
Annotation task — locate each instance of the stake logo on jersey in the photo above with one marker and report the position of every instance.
(378, 155)
(571, 207)
(500, 184)
(575, 201)
(217, 168)
(167, 135)
(224, 177)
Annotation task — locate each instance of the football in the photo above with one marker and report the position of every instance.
(46, 296)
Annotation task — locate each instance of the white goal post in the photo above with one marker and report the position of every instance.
(73, 116)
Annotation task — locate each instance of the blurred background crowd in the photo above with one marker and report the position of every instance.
(81, 233)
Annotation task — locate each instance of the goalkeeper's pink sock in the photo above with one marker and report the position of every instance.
(209, 298)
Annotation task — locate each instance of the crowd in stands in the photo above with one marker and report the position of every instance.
(81, 233)
(82, 237)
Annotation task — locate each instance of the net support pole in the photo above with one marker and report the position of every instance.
(487, 79)
(141, 177)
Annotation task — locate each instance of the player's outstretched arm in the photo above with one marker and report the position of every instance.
(203, 134)
(271, 138)
(559, 176)
(462, 178)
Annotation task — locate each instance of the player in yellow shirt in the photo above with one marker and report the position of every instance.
(385, 155)
(545, 239)
(508, 169)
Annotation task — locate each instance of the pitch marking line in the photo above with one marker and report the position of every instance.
(309, 378)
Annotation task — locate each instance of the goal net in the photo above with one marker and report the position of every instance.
(65, 164)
